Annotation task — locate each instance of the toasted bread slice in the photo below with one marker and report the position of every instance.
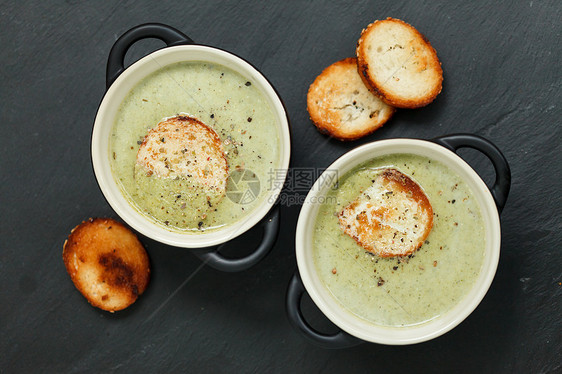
(341, 106)
(392, 217)
(185, 147)
(107, 263)
(399, 64)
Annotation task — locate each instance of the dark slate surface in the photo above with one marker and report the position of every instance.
(502, 69)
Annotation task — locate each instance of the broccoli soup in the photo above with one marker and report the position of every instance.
(402, 290)
(193, 145)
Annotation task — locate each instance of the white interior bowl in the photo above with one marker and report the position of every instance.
(105, 119)
(343, 318)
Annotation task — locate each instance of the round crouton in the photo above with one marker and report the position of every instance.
(341, 106)
(107, 263)
(185, 147)
(392, 217)
(398, 64)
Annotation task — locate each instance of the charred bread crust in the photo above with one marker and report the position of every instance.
(422, 55)
(107, 263)
(341, 106)
(387, 229)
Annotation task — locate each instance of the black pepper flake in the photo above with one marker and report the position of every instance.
(212, 116)
(139, 142)
(249, 119)
(163, 140)
(209, 203)
(200, 224)
(380, 282)
(248, 84)
(395, 267)
(453, 201)
(167, 222)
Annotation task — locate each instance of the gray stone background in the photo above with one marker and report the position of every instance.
(502, 69)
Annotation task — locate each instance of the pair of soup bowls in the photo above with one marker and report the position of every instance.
(207, 245)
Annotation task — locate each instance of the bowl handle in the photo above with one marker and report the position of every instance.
(167, 34)
(502, 184)
(340, 339)
(216, 260)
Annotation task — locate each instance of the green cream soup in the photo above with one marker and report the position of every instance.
(411, 290)
(226, 102)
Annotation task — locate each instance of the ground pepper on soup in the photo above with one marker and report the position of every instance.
(225, 101)
(413, 289)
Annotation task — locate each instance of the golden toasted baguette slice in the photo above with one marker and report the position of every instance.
(341, 106)
(185, 147)
(392, 217)
(399, 64)
(107, 263)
